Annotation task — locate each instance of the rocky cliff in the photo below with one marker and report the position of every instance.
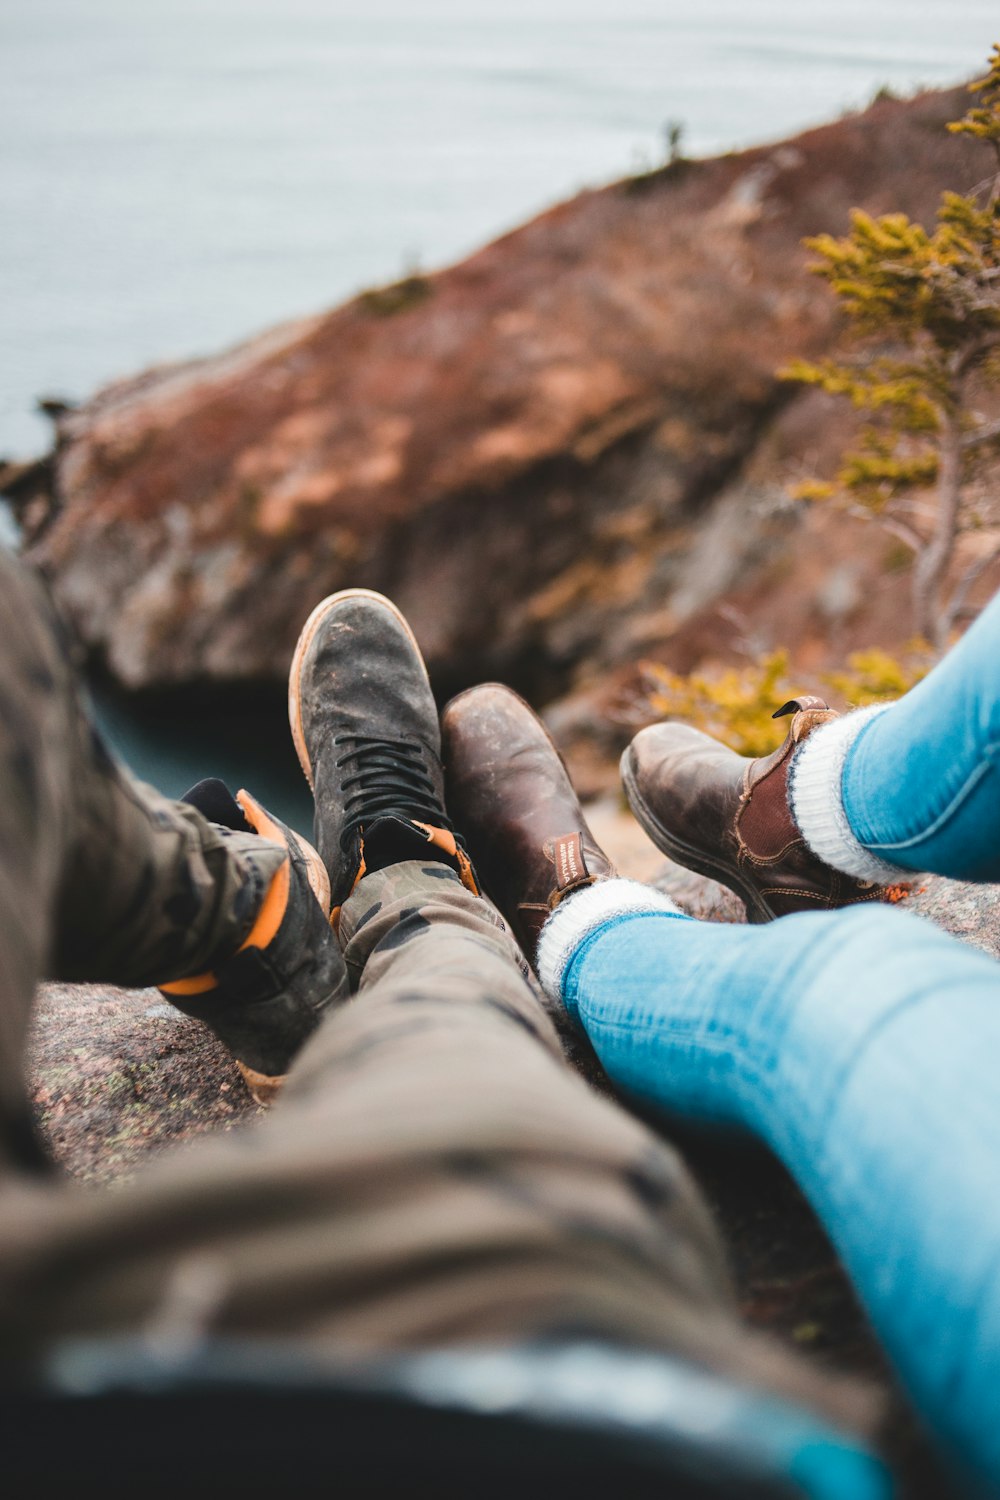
(557, 456)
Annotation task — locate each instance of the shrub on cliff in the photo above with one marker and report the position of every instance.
(736, 705)
(922, 314)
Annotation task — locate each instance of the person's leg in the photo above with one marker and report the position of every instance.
(522, 1203)
(525, 1204)
(434, 1172)
(914, 786)
(103, 878)
(862, 1046)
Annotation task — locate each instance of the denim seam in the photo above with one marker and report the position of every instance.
(944, 817)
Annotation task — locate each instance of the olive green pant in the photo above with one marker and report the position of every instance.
(434, 1171)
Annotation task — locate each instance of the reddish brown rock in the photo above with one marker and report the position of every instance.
(522, 449)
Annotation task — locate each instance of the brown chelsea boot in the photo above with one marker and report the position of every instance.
(508, 790)
(730, 818)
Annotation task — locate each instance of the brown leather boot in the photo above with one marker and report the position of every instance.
(730, 818)
(508, 790)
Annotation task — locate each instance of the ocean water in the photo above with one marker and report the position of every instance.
(177, 174)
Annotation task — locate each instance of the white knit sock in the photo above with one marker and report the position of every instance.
(576, 917)
(815, 782)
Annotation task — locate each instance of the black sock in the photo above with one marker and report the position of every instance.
(390, 840)
(215, 801)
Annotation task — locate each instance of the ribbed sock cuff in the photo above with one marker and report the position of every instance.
(815, 790)
(575, 918)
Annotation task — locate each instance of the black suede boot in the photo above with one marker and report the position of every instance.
(365, 726)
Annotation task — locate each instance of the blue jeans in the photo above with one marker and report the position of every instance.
(921, 784)
(862, 1046)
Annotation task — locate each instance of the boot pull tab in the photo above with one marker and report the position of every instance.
(798, 705)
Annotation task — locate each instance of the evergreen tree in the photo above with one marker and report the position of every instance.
(923, 324)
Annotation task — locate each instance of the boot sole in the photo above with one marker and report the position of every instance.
(757, 909)
(305, 640)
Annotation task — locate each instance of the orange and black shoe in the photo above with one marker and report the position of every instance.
(365, 725)
(266, 998)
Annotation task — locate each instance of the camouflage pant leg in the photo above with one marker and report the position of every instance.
(100, 876)
(517, 1202)
(534, 1205)
(433, 1173)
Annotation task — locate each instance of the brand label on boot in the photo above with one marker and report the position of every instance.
(567, 856)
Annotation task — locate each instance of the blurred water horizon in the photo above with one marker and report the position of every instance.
(177, 176)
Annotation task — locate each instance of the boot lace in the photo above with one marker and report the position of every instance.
(389, 776)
